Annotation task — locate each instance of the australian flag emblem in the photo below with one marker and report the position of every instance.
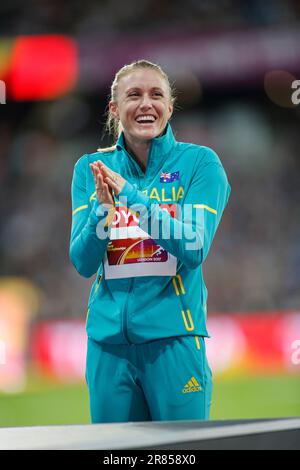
(169, 177)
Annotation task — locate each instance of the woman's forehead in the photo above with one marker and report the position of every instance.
(142, 78)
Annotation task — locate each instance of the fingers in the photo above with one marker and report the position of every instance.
(108, 200)
(99, 167)
(98, 178)
(112, 184)
(107, 171)
(106, 190)
(114, 180)
(109, 176)
(95, 171)
(103, 190)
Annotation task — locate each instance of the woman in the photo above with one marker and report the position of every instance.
(146, 231)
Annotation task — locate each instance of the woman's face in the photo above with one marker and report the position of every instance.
(143, 104)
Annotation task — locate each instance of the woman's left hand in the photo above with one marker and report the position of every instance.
(114, 180)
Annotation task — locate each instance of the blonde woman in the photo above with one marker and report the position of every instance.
(145, 212)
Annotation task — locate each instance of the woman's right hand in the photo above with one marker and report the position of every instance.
(103, 191)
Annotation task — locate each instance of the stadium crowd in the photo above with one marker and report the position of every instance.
(112, 16)
(255, 263)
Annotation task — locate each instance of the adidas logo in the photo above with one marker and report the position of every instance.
(192, 386)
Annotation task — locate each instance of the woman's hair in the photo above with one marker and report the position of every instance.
(113, 125)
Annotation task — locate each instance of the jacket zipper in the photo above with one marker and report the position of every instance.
(125, 310)
(94, 294)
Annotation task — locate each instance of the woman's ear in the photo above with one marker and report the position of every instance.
(113, 108)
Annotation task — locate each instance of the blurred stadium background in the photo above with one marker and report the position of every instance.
(233, 63)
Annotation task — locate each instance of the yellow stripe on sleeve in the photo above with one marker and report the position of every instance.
(81, 208)
(203, 206)
(197, 342)
(93, 197)
(189, 327)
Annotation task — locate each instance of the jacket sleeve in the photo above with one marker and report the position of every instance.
(189, 237)
(87, 248)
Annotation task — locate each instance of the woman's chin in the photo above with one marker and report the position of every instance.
(147, 134)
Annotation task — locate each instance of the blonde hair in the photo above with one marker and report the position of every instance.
(113, 126)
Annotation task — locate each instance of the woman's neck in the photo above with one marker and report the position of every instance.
(140, 151)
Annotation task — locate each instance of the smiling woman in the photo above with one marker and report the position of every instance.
(146, 357)
(143, 111)
(141, 104)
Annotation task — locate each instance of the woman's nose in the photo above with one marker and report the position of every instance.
(146, 102)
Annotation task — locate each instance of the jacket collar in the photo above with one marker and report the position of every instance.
(159, 148)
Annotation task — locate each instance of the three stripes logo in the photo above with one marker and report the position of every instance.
(192, 386)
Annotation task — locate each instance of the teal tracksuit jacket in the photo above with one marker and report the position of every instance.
(148, 289)
(146, 321)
